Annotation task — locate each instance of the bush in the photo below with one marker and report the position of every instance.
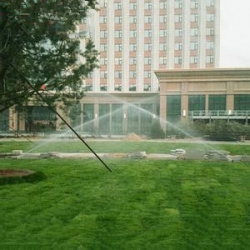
(225, 131)
(157, 131)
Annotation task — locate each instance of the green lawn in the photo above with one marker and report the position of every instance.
(142, 204)
(114, 146)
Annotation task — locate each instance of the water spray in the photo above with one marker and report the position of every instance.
(53, 110)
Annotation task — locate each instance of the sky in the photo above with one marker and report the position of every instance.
(235, 34)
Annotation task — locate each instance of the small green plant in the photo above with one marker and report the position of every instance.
(157, 131)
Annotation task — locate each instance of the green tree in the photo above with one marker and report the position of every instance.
(35, 44)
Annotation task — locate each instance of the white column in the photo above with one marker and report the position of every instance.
(217, 34)
(202, 34)
(155, 45)
(125, 47)
(140, 46)
(111, 49)
(186, 34)
(171, 35)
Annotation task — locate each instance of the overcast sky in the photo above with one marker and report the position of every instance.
(235, 33)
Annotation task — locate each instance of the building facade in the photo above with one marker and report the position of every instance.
(135, 38)
(204, 94)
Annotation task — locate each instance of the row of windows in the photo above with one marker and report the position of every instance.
(197, 103)
(162, 60)
(162, 46)
(163, 4)
(218, 102)
(132, 74)
(162, 33)
(117, 87)
(162, 18)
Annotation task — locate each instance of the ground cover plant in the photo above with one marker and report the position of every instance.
(142, 204)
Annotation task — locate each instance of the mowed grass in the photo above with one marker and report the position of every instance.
(141, 204)
(116, 146)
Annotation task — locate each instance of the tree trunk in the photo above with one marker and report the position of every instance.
(3, 22)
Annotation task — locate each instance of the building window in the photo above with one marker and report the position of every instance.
(194, 4)
(103, 19)
(133, 6)
(90, 75)
(193, 60)
(196, 102)
(217, 102)
(103, 33)
(194, 32)
(163, 33)
(118, 6)
(147, 19)
(194, 18)
(163, 19)
(118, 61)
(118, 87)
(163, 60)
(132, 74)
(118, 74)
(178, 46)
(133, 47)
(132, 87)
(103, 87)
(132, 61)
(103, 47)
(210, 17)
(133, 33)
(118, 47)
(178, 18)
(118, 19)
(242, 102)
(104, 61)
(210, 3)
(210, 31)
(103, 74)
(178, 4)
(178, 60)
(118, 33)
(210, 45)
(147, 6)
(163, 4)
(147, 74)
(193, 45)
(147, 33)
(163, 46)
(210, 59)
(133, 19)
(147, 60)
(178, 32)
(105, 3)
(147, 47)
(147, 87)
(173, 109)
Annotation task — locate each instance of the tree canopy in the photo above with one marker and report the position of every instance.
(35, 44)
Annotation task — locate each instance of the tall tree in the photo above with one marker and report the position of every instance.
(35, 44)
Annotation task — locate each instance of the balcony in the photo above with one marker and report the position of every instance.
(219, 114)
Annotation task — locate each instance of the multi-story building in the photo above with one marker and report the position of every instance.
(135, 38)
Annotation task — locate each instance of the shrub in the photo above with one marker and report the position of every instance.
(157, 131)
